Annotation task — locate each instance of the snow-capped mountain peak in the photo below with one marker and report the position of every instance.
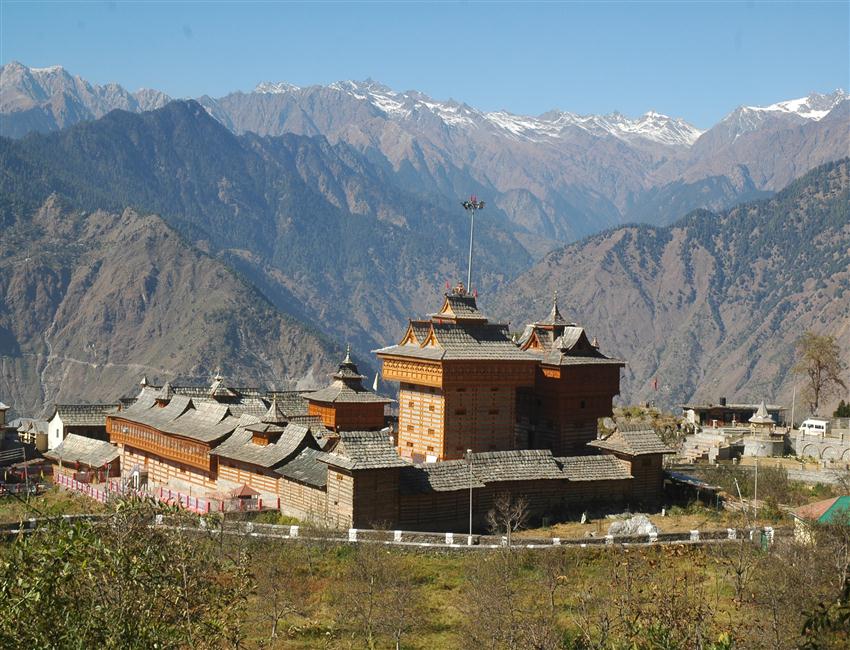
(275, 88)
(549, 127)
(813, 107)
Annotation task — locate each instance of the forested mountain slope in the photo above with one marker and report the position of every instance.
(713, 304)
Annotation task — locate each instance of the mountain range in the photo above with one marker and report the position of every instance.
(290, 221)
(555, 177)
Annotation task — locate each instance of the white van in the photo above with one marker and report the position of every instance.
(815, 427)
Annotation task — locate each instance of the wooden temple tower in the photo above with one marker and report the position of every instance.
(347, 405)
(458, 375)
(574, 386)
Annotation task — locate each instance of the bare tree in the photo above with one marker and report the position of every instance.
(819, 361)
(507, 515)
(378, 594)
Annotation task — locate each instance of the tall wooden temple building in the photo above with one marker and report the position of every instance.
(465, 384)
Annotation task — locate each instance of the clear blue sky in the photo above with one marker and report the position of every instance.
(692, 60)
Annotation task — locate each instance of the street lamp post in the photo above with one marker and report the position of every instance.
(469, 458)
(471, 205)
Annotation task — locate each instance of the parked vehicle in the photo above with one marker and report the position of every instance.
(815, 426)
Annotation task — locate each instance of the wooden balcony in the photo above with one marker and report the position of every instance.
(165, 446)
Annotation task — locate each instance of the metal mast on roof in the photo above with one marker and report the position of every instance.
(471, 205)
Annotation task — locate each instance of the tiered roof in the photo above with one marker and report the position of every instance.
(347, 387)
(558, 343)
(457, 332)
(633, 439)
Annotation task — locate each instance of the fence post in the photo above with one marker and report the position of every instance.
(556, 541)
(609, 539)
(694, 535)
(293, 531)
(450, 538)
(260, 504)
(768, 531)
(731, 533)
(352, 534)
(653, 536)
(396, 535)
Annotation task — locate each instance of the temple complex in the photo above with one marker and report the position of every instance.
(480, 414)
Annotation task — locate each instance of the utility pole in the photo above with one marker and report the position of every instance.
(469, 458)
(471, 205)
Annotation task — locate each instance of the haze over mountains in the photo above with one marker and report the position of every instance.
(557, 177)
(323, 215)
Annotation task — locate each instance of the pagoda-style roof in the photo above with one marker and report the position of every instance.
(557, 343)
(347, 387)
(459, 305)
(457, 332)
(272, 423)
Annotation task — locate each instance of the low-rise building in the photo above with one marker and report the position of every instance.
(87, 420)
(829, 511)
(85, 459)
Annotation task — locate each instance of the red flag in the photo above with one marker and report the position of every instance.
(655, 383)
(447, 285)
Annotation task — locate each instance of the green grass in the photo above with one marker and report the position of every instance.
(51, 503)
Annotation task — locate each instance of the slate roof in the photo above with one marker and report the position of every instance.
(594, 468)
(86, 451)
(363, 450)
(554, 317)
(30, 425)
(502, 466)
(445, 476)
(562, 343)
(240, 447)
(306, 468)
(633, 439)
(519, 465)
(460, 307)
(458, 331)
(464, 341)
(347, 387)
(82, 415)
(204, 421)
